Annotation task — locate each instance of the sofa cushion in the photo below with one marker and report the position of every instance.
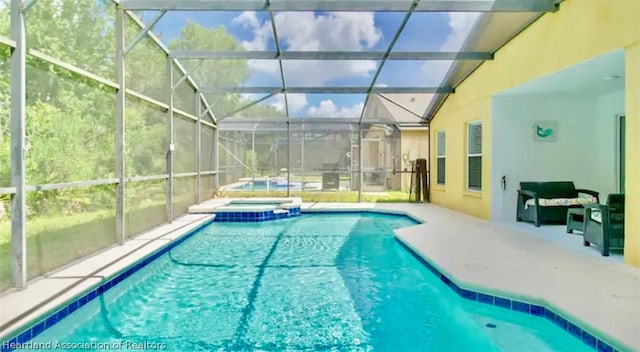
(561, 202)
(551, 189)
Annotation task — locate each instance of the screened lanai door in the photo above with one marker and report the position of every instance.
(373, 167)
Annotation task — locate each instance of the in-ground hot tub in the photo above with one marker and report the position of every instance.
(251, 209)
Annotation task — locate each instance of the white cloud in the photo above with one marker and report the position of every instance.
(319, 73)
(247, 19)
(327, 108)
(262, 33)
(250, 96)
(434, 72)
(310, 32)
(296, 103)
(336, 31)
(460, 23)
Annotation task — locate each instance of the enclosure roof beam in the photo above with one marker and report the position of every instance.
(27, 4)
(279, 52)
(143, 32)
(207, 107)
(343, 5)
(294, 120)
(258, 101)
(187, 74)
(328, 90)
(407, 15)
(331, 55)
(165, 49)
(206, 111)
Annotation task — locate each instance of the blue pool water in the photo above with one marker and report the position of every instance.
(253, 204)
(322, 282)
(273, 186)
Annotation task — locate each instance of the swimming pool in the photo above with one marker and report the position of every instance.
(246, 205)
(316, 282)
(273, 186)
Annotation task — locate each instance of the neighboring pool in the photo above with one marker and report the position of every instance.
(273, 186)
(317, 282)
(249, 205)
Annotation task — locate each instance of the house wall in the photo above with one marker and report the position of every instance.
(632, 147)
(580, 30)
(584, 151)
(454, 193)
(414, 145)
(608, 107)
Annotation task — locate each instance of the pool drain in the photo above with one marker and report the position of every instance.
(489, 325)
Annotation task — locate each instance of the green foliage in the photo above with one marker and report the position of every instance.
(250, 159)
(212, 73)
(220, 73)
(146, 139)
(70, 119)
(5, 123)
(70, 131)
(315, 196)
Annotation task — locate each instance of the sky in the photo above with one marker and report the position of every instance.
(335, 31)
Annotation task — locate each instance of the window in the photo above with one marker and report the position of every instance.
(474, 156)
(440, 158)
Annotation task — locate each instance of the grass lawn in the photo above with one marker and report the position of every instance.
(337, 197)
(55, 241)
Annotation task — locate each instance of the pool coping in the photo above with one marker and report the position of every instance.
(44, 320)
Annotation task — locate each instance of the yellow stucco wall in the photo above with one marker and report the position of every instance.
(580, 30)
(454, 193)
(414, 145)
(632, 149)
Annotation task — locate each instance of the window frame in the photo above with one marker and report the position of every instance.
(469, 155)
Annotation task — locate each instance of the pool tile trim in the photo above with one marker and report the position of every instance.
(255, 216)
(516, 305)
(53, 316)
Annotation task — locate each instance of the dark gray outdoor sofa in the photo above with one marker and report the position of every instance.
(534, 198)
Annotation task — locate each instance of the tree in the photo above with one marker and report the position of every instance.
(219, 72)
(70, 119)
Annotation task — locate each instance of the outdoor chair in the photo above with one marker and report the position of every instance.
(604, 224)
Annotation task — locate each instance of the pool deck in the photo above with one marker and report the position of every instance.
(599, 294)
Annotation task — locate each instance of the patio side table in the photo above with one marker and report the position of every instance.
(575, 220)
